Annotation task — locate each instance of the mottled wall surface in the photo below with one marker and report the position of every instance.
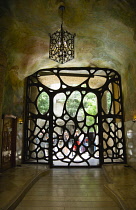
(129, 92)
(3, 64)
(130, 134)
(105, 33)
(105, 37)
(13, 100)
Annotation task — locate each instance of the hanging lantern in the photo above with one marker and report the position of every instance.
(61, 44)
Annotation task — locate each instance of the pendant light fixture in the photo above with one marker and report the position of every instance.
(61, 47)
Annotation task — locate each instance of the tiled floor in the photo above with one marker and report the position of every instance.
(112, 187)
(122, 184)
(15, 182)
(66, 189)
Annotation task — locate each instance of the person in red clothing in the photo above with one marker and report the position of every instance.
(76, 142)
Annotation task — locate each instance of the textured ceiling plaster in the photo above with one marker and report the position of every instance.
(105, 32)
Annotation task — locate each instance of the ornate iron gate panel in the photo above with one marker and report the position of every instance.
(75, 131)
(74, 117)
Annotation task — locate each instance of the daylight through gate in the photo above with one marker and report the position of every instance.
(74, 117)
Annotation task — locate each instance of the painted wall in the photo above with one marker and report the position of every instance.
(3, 64)
(128, 78)
(130, 134)
(105, 37)
(13, 104)
(13, 94)
(129, 104)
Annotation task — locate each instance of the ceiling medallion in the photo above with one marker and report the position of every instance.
(61, 47)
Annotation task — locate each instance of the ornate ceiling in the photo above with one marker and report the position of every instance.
(105, 33)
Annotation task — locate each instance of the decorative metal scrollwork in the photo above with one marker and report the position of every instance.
(74, 117)
(61, 46)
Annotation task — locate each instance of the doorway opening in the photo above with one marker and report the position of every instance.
(74, 117)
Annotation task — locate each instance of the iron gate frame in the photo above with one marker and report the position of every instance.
(114, 77)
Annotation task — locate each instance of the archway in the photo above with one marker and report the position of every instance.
(74, 117)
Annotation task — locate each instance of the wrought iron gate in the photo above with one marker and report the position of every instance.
(74, 117)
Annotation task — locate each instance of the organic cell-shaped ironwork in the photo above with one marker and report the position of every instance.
(74, 117)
